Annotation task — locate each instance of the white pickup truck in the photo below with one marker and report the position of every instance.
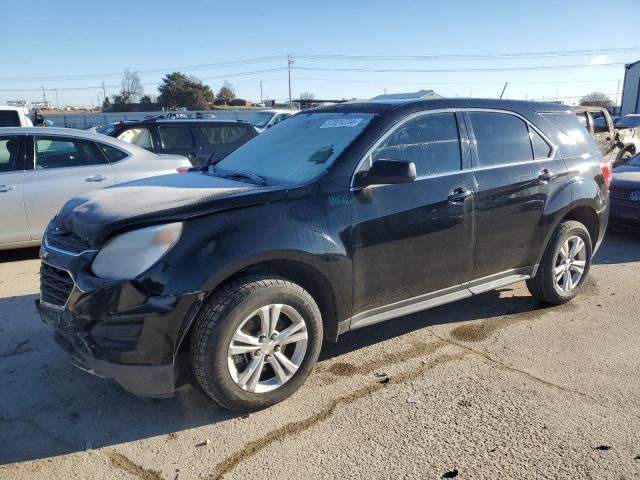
(14, 117)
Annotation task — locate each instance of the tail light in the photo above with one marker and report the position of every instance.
(605, 168)
(183, 169)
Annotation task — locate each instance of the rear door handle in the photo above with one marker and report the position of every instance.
(95, 178)
(5, 188)
(459, 195)
(546, 175)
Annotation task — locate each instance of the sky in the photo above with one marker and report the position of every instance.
(341, 49)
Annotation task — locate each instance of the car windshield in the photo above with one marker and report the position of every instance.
(106, 129)
(298, 150)
(260, 119)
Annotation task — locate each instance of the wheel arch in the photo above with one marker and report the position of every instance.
(296, 271)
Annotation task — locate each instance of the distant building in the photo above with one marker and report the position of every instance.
(631, 89)
(419, 95)
(28, 104)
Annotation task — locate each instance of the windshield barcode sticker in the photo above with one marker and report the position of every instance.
(341, 123)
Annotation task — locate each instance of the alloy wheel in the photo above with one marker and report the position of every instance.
(570, 264)
(267, 348)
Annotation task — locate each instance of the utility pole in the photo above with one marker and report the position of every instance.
(104, 91)
(385, 91)
(503, 89)
(289, 63)
(57, 102)
(618, 99)
(44, 96)
(261, 90)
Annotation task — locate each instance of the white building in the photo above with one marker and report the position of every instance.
(631, 89)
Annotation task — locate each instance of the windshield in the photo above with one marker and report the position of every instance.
(298, 150)
(106, 129)
(260, 119)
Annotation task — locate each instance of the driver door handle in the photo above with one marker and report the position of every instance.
(459, 195)
(546, 175)
(5, 188)
(95, 178)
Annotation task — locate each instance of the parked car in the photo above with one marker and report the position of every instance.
(617, 141)
(264, 119)
(628, 121)
(40, 169)
(198, 140)
(625, 194)
(339, 218)
(14, 117)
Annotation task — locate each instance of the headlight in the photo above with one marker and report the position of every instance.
(132, 253)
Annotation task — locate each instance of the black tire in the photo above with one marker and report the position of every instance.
(543, 286)
(217, 323)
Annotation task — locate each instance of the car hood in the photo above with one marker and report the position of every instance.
(626, 177)
(96, 215)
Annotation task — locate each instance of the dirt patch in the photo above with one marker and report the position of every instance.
(295, 428)
(343, 369)
(123, 463)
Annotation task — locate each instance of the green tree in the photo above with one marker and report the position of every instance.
(178, 90)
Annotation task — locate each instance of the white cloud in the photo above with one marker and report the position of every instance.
(600, 59)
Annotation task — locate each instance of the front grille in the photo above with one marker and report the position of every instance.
(55, 285)
(622, 196)
(65, 240)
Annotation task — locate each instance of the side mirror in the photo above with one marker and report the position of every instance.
(387, 172)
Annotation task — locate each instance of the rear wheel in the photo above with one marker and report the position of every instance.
(255, 342)
(564, 265)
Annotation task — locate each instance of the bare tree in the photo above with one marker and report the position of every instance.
(596, 99)
(131, 88)
(226, 93)
(307, 96)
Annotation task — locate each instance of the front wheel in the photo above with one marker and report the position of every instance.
(564, 265)
(255, 342)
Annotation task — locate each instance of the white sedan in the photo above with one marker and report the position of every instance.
(42, 168)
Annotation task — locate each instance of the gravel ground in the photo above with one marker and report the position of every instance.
(497, 386)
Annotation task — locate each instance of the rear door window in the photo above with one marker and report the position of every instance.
(501, 138)
(9, 118)
(10, 160)
(61, 152)
(112, 153)
(541, 149)
(139, 136)
(223, 134)
(176, 137)
(430, 141)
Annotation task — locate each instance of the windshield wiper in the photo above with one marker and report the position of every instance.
(231, 174)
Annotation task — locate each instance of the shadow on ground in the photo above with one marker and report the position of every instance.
(48, 407)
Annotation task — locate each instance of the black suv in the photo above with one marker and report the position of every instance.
(336, 219)
(198, 140)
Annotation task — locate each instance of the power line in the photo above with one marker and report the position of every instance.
(452, 70)
(472, 56)
(156, 70)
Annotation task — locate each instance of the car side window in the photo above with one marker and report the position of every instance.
(112, 153)
(138, 136)
(541, 149)
(10, 160)
(501, 138)
(9, 118)
(176, 136)
(430, 141)
(223, 134)
(60, 152)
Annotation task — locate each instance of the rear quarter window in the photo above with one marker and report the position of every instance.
(224, 134)
(574, 139)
